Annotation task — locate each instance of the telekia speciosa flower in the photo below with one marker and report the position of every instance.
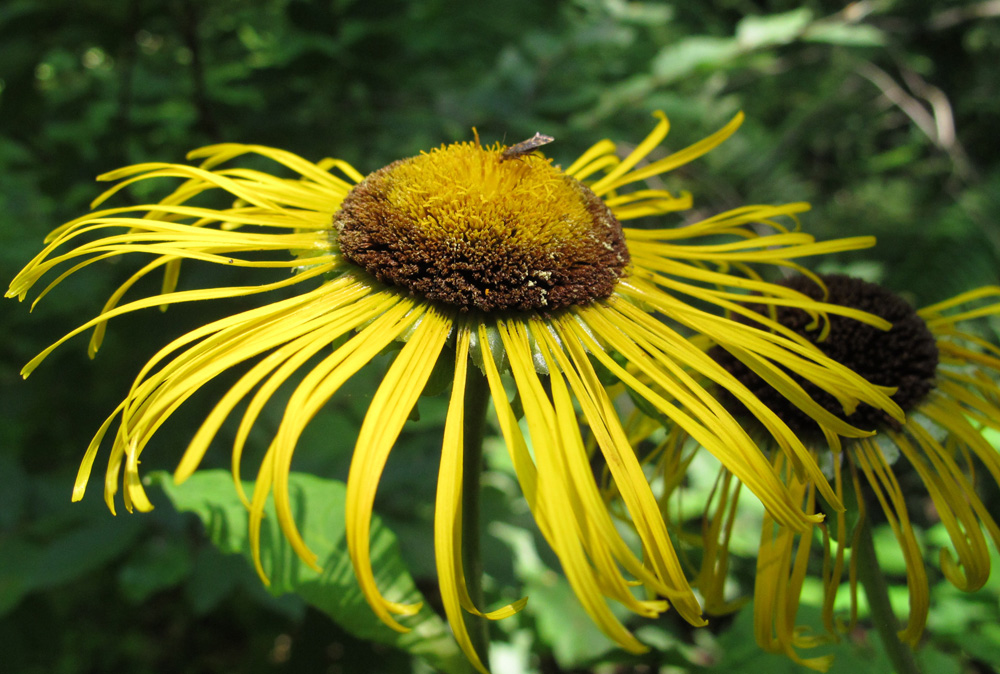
(514, 271)
(943, 371)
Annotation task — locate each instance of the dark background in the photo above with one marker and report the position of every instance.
(882, 114)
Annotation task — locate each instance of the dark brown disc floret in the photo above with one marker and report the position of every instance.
(463, 226)
(904, 357)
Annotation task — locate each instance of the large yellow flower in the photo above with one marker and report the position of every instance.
(946, 379)
(493, 256)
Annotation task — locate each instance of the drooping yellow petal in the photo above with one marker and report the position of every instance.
(302, 343)
(448, 506)
(621, 175)
(714, 429)
(669, 347)
(778, 585)
(886, 488)
(649, 143)
(717, 527)
(174, 298)
(833, 570)
(524, 465)
(395, 397)
(448, 514)
(606, 548)
(630, 481)
(566, 526)
(309, 396)
(952, 496)
(591, 160)
(87, 464)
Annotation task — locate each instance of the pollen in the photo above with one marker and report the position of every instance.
(474, 228)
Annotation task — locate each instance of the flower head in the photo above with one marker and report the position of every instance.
(469, 253)
(523, 236)
(946, 380)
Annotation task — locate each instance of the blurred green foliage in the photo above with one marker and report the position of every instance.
(881, 113)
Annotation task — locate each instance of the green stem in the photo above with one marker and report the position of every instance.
(476, 399)
(877, 592)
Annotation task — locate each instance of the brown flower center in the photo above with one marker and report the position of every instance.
(470, 227)
(905, 357)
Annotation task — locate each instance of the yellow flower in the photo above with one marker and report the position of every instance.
(946, 379)
(494, 255)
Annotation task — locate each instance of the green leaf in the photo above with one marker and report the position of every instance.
(933, 660)
(85, 549)
(17, 579)
(159, 564)
(685, 57)
(983, 643)
(13, 485)
(847, 35)
(318, 507)
(562, 622)
(754, 32)
(27, 566)
(213, 577)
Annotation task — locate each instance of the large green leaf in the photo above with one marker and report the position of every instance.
(318, 506)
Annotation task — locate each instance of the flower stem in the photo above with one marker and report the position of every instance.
(476, 400)
(877, 592)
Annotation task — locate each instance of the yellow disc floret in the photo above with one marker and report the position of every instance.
(471, 227)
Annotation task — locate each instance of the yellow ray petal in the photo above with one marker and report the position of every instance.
(555, 494)
(618, 178)
(448, 514)
(715, 430)
(393, 400)
(174, 298)
(602, 418)
(886, 488)
(595, 155)
(309, 396)
(603, 543)
(656, 136)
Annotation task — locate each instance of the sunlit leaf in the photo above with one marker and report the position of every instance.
(318, 505)
(754, 32)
